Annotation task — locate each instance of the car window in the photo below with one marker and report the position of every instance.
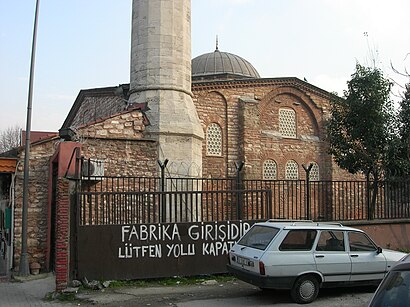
(298, 240)
(359, 242)
(258, 237)
(331, 241)
(394, 290)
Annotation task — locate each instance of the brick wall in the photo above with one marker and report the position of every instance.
(248, 115)
(62, 244)
(213, 109)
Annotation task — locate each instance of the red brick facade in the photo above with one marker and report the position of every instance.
(248, 113)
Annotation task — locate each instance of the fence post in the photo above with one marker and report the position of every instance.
(369, 214)
(162, 187)
(307, 170)
(239, 189)
(269, 195)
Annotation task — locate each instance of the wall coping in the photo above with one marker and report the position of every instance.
(374, 222)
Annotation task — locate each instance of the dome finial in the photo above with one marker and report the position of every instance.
(216, 48)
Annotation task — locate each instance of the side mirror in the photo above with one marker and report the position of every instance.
(379, 250)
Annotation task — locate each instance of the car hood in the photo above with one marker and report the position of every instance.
(393, 256)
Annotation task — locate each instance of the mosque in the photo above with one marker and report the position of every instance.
(274, 125)
(204, 115)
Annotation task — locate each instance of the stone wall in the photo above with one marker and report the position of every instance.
(119, 142)
(37, 227)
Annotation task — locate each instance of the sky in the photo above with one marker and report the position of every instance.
(84, 44)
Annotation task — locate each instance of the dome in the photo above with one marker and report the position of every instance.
(221, 65)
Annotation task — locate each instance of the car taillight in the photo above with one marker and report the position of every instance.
(261, 268)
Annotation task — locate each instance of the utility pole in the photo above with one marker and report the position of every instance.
(24, 267)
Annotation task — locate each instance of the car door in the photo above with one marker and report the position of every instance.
(367, 262)
(331, 256)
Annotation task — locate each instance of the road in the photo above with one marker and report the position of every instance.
(227, 294)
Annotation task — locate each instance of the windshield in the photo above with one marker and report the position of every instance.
(394, 291)
(258, 237)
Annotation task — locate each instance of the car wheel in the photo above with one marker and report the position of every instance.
(305, 289)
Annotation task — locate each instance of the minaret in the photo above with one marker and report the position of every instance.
(161, 79)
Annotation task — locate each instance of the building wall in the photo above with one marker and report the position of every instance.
(119, 142)
(37, 225)
(247, 112)
(213, 109)
(387, 234)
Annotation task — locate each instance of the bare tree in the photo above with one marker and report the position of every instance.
(10, 138)
(403, 74)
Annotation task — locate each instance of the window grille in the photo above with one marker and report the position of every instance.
(214, 140)
(287, 123)
(291, 171)
(314, 172)
(269, 170)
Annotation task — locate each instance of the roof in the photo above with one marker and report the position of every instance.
(121, 91)
(305, 224)
(222, 65)
(36, 136)
(278, 81)
(8, 165)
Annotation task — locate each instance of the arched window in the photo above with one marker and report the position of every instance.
(269, 170)
(214, 140)
(291, 170)
(287, 122)
(314, 172)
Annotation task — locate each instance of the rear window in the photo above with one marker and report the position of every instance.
(258, 237)
(298, 240)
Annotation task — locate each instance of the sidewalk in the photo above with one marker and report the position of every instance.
(32, 290)
(28, 291)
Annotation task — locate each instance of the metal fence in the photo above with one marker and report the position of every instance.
(113, 208)
(113, 200)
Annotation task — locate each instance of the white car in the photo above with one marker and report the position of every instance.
(304, 255)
